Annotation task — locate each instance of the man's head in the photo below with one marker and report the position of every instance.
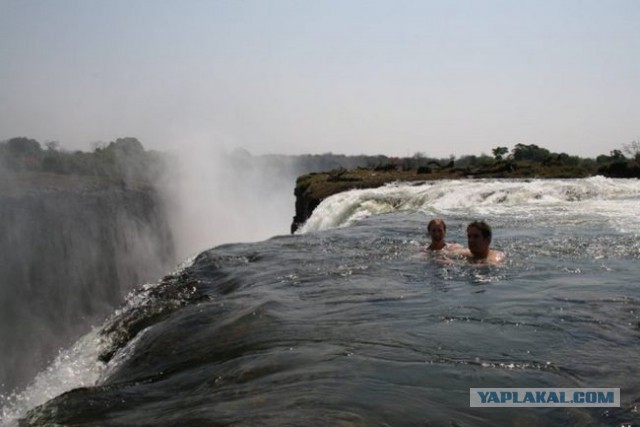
(479, 238)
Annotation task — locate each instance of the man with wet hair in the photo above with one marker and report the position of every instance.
(478, 242)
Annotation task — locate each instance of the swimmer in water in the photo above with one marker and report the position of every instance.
(478, 241)
(437, 230)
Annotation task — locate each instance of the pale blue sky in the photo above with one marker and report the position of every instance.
(372, 77)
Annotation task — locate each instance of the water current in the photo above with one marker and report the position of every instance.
(347, 323)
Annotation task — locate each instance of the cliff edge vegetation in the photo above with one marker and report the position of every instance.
(523, 161)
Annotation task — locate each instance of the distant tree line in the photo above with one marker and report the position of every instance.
(126, 159)
(122, 159)
(616, 164)
(538, 161)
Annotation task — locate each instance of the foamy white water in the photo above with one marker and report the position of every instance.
(527, 198)
(78, 366)
(75, 367)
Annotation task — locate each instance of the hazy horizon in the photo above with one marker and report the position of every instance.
(287, 77)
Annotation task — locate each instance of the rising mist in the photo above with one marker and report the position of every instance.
(213, 197)
(79, 230)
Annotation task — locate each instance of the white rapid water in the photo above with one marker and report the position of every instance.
(75, 367)
(618, 198)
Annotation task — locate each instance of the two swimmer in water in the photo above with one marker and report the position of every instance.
(478, 242)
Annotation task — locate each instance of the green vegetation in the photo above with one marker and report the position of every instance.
(123, 160)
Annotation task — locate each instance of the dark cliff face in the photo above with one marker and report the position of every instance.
(70, 253)
(306, 202)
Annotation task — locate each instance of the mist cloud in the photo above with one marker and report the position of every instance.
(216, 197)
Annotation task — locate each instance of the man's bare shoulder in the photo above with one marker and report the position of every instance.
(453, 246)
(495, 257)
(498, 256)
(456, 249)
